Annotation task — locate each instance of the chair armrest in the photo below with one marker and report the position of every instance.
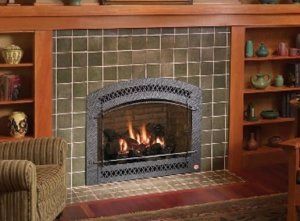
(292, 144)
(40, 151)
(17, 175)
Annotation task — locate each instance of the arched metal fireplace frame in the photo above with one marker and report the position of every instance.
(141, 91)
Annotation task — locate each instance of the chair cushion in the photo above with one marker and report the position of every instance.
(49, 177)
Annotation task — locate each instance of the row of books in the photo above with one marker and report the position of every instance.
(286, 109)
(10, 87)
(292, 76)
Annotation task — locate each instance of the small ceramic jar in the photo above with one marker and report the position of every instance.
(12, 54)
(18, 124)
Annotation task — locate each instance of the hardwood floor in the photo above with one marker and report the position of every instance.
(259, 182)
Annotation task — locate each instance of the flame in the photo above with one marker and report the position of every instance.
(130, 130)
(159, 140)
(123, 145)
(145, 139)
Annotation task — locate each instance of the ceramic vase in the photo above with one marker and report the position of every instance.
(249, 49)
(279, 81)
(252, 144)
(18, 124)
(261, 81)
(72, 2)
(12, 54)
(262, 50)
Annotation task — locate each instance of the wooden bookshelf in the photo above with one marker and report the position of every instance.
(9, 138)
(262, 150)
(21, 65)
(273, 58)
(271, 89)
(23, 101)
(269, 121)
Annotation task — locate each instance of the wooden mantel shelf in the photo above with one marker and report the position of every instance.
(55, 17)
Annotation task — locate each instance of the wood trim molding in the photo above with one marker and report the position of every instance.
(55, 17)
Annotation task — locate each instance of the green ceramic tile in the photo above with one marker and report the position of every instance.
(95, 59)
(194, 81)
(167, 69)
(139, 31)
(207, 30)
(206, 82)
(95, 32)
(63, 106)
(220, 67)
(64, 75)
(206, 96)
(205, 137)
(167, 41)
(180, 70)
(205, 165)
(68, 181)
(68, 165)
(181, 30)
(166, 55)
(69, 151)
(167, 30)
(110, 43)
(64, 121)
(79, 104)
(153, 71)
(207, 40)
(221, 54)
(79, 44)
(125, 31)
(95, 44)
(180, 55)
(79, 89)
(65, 134)
(64, 91)
(64, 44)
(79, 150)
(125, 72)
(110, 58)
(193, 69)
(138, 71)
(78, 164)
(124, 43)
(79, 74)
(64, 60)
(219, 136)
(181, 41)
(194, 40)
(153, 42)
(220, 95)
(154, 31)
(206, 123)
(79, 120)
(195, 30)
(78, 134)
(124, 57)
(110, 73)
(64, 33)
(220, 39)
(206, 110)
(219, 149)
(110, 32)
(206, 151)
(153, 56)
(94, 73)
(184, 79)
(94, 86)
(138, 57)
(79, 32)
(194, 54)
(80, 59)
(218, 122)
(219, 109)
(222, 29)
(218, 163)
(219, 82)
(78, 179)
(207, 68)
(207, 54)
(138, 42)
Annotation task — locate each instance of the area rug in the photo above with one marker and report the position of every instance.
(262, 208)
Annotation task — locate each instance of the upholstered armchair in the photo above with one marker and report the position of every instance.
(32, 179)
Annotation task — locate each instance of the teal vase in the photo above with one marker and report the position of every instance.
(249, 49)
(279, 81)
(262, 50)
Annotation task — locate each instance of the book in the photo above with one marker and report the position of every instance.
(10, 87)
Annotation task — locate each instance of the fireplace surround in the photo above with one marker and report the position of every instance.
(180, 101)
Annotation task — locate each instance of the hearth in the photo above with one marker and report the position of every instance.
(143, 128)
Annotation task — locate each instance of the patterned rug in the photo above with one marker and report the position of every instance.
(263, 208)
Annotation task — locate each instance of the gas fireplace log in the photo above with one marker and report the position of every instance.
(111, 135)
(155, 130)
(111, 150)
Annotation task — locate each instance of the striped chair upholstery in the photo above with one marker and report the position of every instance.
(32, 179)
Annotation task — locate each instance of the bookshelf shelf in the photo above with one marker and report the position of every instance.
(23, 101)
(9, 138)
(273, 58)
(262, 150)
(21, 65)
(271, 89)
(267, 121)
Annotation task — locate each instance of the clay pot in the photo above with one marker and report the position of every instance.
(252, 144)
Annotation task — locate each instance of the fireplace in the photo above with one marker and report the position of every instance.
(143, 128)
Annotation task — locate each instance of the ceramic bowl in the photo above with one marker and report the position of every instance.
(268, 1)
(274, 141)
(269, 114)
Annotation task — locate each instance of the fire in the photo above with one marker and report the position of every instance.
(159, 140)
(123, 145)
(142, 137)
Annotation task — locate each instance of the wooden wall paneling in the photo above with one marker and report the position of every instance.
(43, 83)
(236, 98)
